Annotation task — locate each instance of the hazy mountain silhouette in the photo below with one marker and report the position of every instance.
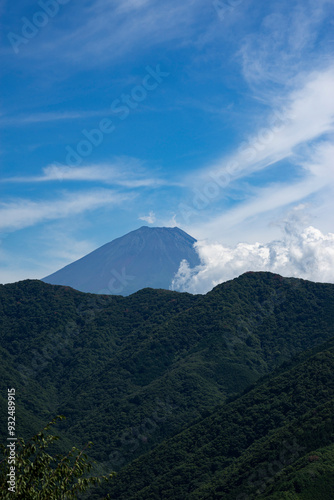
(146, 257)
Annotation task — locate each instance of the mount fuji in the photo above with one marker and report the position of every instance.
(146, 257)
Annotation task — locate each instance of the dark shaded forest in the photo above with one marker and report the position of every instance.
(223, 395)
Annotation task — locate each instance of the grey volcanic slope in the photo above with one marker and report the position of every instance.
(146, 257)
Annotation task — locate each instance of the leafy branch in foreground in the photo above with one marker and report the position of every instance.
(39, 475)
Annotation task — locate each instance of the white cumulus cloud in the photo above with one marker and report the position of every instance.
(307, 254)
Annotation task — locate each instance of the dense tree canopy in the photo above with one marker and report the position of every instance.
(129, 373)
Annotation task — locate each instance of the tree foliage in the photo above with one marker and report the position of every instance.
(131, 372)
(41, 476)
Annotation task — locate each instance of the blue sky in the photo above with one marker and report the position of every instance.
(214, 116)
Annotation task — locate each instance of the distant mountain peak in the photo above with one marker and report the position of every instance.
(146, 257)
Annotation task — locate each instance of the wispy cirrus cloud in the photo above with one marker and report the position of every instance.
(307, 114)
(22, 120)
(298, 136)
(317, 178)
(262, 72)
(285, 45)
(22, 213)
(128, 173)
(102, 31)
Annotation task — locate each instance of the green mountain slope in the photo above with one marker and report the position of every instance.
(259, 444)
(310, 478)
(130, 372)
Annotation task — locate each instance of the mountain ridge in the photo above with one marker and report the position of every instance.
(149, 366)
(189, 351)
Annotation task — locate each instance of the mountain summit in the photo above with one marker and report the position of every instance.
(146, 257)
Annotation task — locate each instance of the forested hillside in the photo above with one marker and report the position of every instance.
(266, 441)
(129, 373)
